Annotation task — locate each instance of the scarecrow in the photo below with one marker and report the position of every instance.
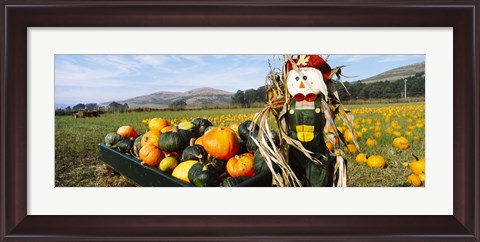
(304, 102)
(306, 85)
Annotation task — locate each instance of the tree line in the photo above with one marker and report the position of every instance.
(112, 107)
(247, 98)
(415, 86)
(115, 107)
(358, 91)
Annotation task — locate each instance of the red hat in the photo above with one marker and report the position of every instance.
(314, 61)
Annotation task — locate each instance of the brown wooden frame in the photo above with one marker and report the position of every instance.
(17, 15)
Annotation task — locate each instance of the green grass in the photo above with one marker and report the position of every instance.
(394, 174)
(76, 145)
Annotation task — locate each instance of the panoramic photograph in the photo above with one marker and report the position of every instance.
(294, 120)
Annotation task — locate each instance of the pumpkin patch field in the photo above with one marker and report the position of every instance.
(390, 138)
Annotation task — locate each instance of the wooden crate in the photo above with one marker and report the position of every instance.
(146, 176)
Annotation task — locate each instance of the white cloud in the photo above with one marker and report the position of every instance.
(114, 63)
(97, 71)
(194, 58)
(81, 76)
(152, 60)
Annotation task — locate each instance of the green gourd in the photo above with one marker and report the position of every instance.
(174, 141)
(112, 138)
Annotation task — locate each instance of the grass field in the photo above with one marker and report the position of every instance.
(76, 142)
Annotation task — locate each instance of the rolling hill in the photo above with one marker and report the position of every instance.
(196, 98)
(397, 73)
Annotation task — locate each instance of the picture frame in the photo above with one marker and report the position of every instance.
(17, 16)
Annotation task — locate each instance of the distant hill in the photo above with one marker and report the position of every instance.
(196, 98)
(397, 73)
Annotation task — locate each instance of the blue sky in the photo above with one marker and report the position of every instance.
(105, 78)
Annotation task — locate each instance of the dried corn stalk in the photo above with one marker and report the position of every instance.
(276, 103)
(340, 110)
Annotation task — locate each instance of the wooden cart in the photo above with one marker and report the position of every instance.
(146, 176)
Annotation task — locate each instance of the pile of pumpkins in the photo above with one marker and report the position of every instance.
(196, 151)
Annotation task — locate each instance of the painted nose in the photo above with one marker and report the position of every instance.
(302, 85)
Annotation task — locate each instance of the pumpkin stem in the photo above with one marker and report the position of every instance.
(201, 159)
(175, 128)
(192, 141)
(416, 157)
(201, 129)
(209, 158)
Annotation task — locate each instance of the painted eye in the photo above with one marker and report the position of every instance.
(304, 77)
(297, 78)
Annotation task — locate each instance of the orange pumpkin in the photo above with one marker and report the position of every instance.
(150, 137)
(401, 143)
(151, 155)
(371, 142)
(157, 124)
(351, 148)
(166, 129)
(418, 166)
(127, 132)
(349, 136)
(221, 143)
(199, 141)
(376, 161)
(414, 180)
(241, 165)
(361, 158)
(359, 134)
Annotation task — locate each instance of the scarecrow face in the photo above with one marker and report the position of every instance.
(306, 80)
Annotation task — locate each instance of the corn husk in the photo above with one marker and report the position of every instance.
(272, 153)
(276, 103)
(332, 136)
